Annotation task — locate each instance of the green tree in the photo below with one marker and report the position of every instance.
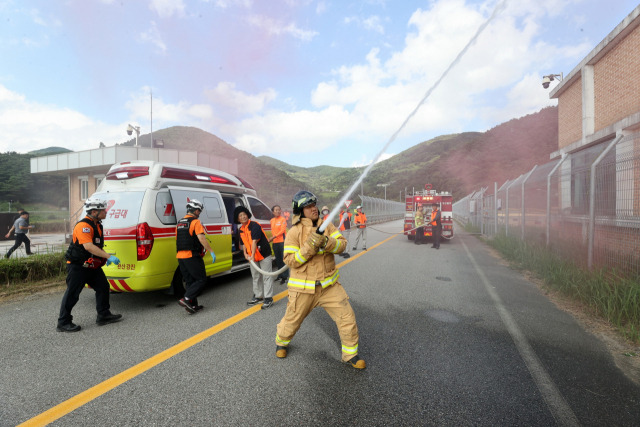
(15, 176)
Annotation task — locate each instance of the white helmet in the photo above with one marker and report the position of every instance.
(92, 204)
(194, 205)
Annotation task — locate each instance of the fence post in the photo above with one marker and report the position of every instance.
(524, 181)
(548, 231)
(495, 207)
(592, 198)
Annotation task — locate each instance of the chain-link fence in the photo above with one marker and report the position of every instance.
(380, 210)
(584, 206)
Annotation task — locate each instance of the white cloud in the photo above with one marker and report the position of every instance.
(225, 95)
(167, 8)
(28, 126)
(152, 35)
(224, 4)
(372, 99)
(372, 23)
(272, 27)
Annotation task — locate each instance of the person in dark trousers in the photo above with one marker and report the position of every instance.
(85, 258)
(21, 227)
(13, 227)
(278, 233)
(191, 244)
(256, 248)
(436, 226)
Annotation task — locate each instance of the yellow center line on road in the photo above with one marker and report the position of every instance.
(98, 390)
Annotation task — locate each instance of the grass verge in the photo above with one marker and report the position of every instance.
(36, 273)
(610, 296)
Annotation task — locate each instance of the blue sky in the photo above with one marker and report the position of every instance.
(308, 82)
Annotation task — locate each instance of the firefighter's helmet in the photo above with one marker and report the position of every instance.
(301, 199)
(194, 205)
(94, 204)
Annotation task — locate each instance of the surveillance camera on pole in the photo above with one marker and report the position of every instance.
(546, 80)
(131, 129)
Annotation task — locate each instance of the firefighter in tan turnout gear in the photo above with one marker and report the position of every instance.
(313, 281)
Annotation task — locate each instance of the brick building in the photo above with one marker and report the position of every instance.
(597, 188)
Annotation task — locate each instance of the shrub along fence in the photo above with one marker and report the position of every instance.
(33, 268)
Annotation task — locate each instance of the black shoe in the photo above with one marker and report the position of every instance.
(68, 327)
(354, 248)
(433, 247)
(268, 302)
(364, 249)
(345, 255)
(109, 318)
(188, 305)
(254, 301)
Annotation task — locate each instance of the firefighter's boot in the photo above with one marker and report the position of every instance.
(357, 363)
(281, 352)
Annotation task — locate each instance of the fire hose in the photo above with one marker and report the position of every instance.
(355, 185)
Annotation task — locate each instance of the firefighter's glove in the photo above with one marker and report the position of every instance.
(113, 260)
(213, 257)
(316, 241)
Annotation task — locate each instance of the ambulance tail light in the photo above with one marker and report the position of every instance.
(189, 175)
(144, 241)
(127, 172)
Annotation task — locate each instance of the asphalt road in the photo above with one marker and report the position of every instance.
(451, 338)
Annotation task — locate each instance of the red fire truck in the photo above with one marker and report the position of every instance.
(427, 198)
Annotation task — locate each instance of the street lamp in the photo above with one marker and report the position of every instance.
(131, 129)
(385, 189)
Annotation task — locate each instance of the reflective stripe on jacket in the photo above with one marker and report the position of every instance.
(307, 267)
(419, 219)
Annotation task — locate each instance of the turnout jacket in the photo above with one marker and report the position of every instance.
(306, 266)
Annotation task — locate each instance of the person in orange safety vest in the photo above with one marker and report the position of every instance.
(257, 249)
(345, 228)
(436, 226)
(361, 224)
(278, 233)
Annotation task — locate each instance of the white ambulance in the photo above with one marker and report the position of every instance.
(144, 201)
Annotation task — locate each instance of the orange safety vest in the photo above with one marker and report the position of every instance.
(360, 220)
(245, 235)
(433, 218)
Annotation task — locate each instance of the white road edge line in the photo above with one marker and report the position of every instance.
(559, 408)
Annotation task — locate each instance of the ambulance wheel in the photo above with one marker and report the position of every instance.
(177, 284)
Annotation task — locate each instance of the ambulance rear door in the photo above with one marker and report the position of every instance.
(213, 218)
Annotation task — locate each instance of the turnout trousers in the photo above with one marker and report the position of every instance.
(335, 301)
(194, 275)
(77, 277)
